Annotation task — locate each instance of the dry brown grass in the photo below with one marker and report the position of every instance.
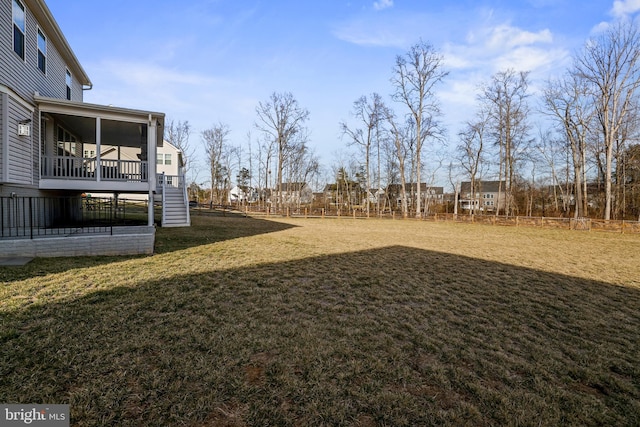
(240, 321)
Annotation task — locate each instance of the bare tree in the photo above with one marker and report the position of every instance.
(215, 145)
(506, 97)
(281, 119)
(567, 102)
(368, 111)
(415, 76)
(398, 135)
(471, 150)
(610, 64)
(553, 153)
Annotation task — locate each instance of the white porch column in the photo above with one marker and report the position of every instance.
(151, 163)
(150, 210)
(98, 171)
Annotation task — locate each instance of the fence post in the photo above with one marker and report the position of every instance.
(354, 214)
(31, 215)
(322, 212)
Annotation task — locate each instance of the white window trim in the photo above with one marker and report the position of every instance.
(24, 33)
(68, 84)
(46, 46)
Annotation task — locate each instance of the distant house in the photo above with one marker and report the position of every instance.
(429, 195)
(376, 195)
(169, 161)
(294, 193)
(243, 194)
(344, 194)
(489, 196)
(237, 195)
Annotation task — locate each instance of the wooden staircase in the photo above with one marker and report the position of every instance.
(175, 207)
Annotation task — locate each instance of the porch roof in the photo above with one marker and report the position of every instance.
(80, 111)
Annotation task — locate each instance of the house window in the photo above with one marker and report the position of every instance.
(89, 154)
(69, 81)
(159, 158)
(18, 28)
(42, 52)
(167, 159)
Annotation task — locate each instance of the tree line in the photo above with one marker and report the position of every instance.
(582, 159)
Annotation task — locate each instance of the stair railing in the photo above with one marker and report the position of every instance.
(164, 206)
(183, 183)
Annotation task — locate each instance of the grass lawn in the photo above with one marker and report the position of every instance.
(252, 322)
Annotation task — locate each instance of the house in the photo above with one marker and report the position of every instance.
(52, 144)
(294, 193)
(237, 194)
(489, 196)
(429, 195)
(375, 195)
(345, 193)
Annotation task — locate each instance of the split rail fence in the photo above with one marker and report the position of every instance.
(582, 224)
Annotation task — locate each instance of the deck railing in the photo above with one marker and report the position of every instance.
(31, 217)
(175, 181)
(87, 168)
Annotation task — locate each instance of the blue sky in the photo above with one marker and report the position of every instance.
(211, 61)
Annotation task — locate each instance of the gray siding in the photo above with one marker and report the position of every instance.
(3, 98)
(20, 147)
(24, 77)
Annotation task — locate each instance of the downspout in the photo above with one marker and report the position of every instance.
(4, 136)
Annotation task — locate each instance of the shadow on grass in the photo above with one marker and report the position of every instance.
(40, 267)
(207, 227)
(213, 226)
(393, 336)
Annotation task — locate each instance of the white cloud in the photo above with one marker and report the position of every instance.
(600, 28)
(506, 36)
(622, 8)
(374, 32)
(488, 49)
(151, 75)
(497, 47)
(144, 85)
(398, 30)
(382, 4)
